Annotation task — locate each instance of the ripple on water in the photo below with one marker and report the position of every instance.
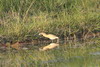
(95, 53)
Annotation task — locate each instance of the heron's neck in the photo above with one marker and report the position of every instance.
(45, 35)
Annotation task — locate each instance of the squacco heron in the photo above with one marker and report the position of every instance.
(50, 36)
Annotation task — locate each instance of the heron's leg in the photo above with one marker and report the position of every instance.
(58, 40)
(58, 47)
(52, 41)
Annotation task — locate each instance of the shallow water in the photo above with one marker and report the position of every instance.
(71, 54)
(86, 54)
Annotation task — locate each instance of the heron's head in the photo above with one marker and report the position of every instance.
(40, 49)
(42, 33)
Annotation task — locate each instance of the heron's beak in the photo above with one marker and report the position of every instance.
(39, 34)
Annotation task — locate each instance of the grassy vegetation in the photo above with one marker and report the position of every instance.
(22, 18)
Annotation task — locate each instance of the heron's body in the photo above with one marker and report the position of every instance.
(50, 36)
(50, 46)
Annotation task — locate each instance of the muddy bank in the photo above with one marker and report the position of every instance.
(28, 41)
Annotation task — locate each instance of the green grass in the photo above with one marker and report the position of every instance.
(63, 18)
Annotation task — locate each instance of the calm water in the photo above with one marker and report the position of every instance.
(81, 54)
(70, 54)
